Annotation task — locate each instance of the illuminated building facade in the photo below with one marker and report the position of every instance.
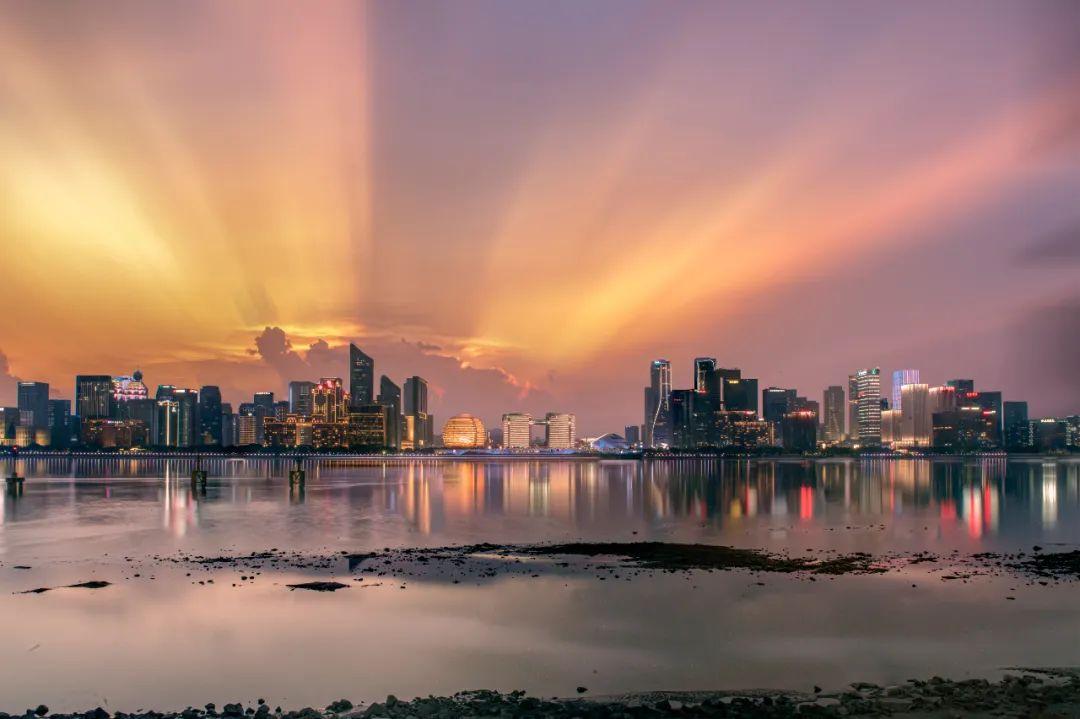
(114, 433)
(891, 432)
(419, 430)
(464, 431)
(942, 399)
(900, 378)
(967, 428)
(390, 397)
(300, 400)
(916, 422)
(369, 427)
(658, 431)
(868, 388)
(329, 401)
(33, 402)
(560, 430)
(126, 388)
(93, 396)
(515, 430)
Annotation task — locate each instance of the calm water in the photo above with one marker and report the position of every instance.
(161, 640)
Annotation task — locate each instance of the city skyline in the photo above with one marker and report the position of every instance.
(651, 184)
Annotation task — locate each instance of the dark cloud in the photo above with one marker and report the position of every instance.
(1056, 248)
(8, 393)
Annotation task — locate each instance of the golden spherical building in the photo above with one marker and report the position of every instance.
(463, 431)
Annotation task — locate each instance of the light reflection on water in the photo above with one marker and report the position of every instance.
(77, 519)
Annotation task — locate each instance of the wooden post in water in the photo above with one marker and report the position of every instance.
(14, 483)
(198, 475)
(296, 476)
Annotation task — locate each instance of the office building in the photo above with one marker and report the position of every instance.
(390, 397)
(658, 431)
(853, 407)
(59, 423)
(93, 396)
(33, 402)
(114, 433)
(142, 410)
(799, 431)
(369, 427)
(632, 433)
(916, 422)
(168, 422)
(900, 378)
(832, 419)
(1017, 430)
(942, 399)
(246, 426)
(187, 401)
(516, 427)
(210, 416)
(775, 402)
(560, 431)
(300, 401)
(361, 377)
(129, 387)
(1049, 435)
(683, 426)
(891, 428)
(967, 428)
(740, 393)
(464, 431)
(868, 392)
(228, 426)
(419, 430)
(961, 385)
(329, 403)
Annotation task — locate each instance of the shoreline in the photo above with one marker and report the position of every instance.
(1021, 692)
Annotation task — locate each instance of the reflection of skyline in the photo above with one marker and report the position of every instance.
(977, 499)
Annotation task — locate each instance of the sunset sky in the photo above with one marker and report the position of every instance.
(526, 202)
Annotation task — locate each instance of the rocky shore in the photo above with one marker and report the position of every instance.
(1030, 693)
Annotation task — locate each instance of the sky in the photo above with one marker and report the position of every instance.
(525, 203)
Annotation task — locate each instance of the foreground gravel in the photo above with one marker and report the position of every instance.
(1034, 693)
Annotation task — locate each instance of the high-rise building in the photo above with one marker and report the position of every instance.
(246, 426)
(916, 422)
(93, 396)
(683, 426)
(853, 406)
(942, 399)
(989, 402)
(59, 422)
(300, 398)
(658, 405)
(704, 370)
(390, 396)
(419, 424)
(868, 388)
(798, 431)
(228, 426)
(146, 411)
(900, 378)
(210, 415)
(361, 377)
(168, 421)
(775, 402)
(128, 387)
(33, 398)
(369, 427)
(964, 429)
(833, 413)
(187, 401)
(516, 427)
(329, 402)
(560, 431)
(892, 433)
(1049, 434)
(740, 393)
(1017, 430)
(632, 433)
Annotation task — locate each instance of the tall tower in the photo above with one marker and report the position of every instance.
(390, 397)
(833, 413)
(658, 404)
(900, 378)
(419, 424)
(33, 399)
(93, 396)
(361, 377)
(868, 387)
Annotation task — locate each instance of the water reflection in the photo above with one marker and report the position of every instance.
(981, 499)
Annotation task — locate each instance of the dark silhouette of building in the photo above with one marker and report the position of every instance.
(1017, 429)
(33, 400)
(368, 427)
(210, 415)
(361, 378)
(1049, 434)
(658, 428)
(300, 402)
(961, 385)
(775, 402)
(59, 423)
(632, 433)
(93, 396)
(833, 413)
(798, 431)
(740, 394)
(390, 397)
(684, 435)
(967, 428)
(419, 429)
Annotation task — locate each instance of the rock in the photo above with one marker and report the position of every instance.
(582, 690)
(232, 710)
(341, 705)
(42, 710)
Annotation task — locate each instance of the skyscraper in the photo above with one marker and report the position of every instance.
(740, 394)
(1017, 429)
(515, 430)
(390, 397)
(683, 433)
(775, 402)
(329, 401)
(868, 388)
(632, 433)
(300, 397)
(33, 399)
(833, 413)
(128, 387)
(419, 424)
(961, 385)
(210, 415)
(561, 430)
(853, 406)
(93, 396)
(658, 405)
(916, 422)
(900, 378)
(187, 401)
(361, 377)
